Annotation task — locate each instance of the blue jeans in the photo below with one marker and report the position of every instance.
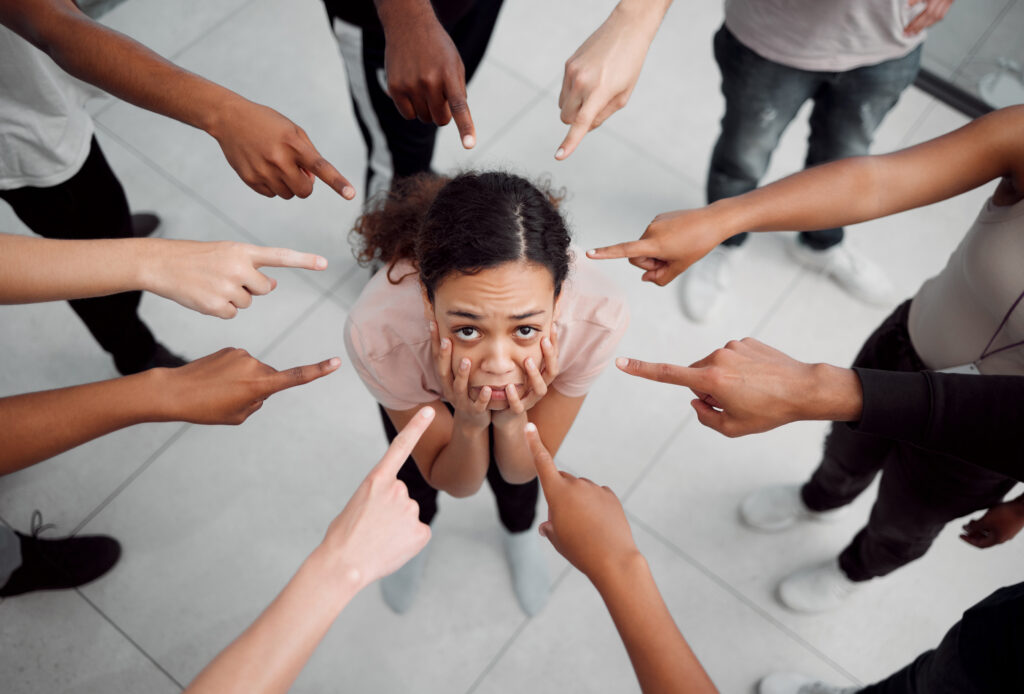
(762, 98)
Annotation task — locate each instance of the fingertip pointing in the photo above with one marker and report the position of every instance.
(621, 362)
(348, 192)
(427, 413)
(320, 263)
(468, 141)
(334, 362)
(592, 253)
(560, 153)
(530, 427)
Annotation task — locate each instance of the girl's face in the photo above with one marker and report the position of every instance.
(496, 319)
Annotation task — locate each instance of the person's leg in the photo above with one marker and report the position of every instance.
(761, 99)
(10, 553)
(851, 459)
(848, 108)
(92, 205)
(918, 494)
(420, 490)
(938, 671)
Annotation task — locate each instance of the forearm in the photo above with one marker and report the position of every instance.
(643, 13)
(119, 65)
(37, 426)
(512, 453)
(660, 655)
(461, 466)
(269, 655)
(34, 269)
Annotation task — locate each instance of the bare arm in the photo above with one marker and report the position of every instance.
(840, 193)
(377, 532)
(216, 278)
(269, 152)
(222, 388)
(587, 525)
(553, 416)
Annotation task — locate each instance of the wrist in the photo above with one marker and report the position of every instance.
(221, 111)
(472, 423)
(337, 580)
(648, 11)
(508, 422)
(622, 569)
(727, 218)
(836, 394)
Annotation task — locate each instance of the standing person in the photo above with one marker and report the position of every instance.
(968, 318)
(853, 60)
(482, 313)
(407, 60)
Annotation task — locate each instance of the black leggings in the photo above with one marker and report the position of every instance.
(517, 503)
(91, 205)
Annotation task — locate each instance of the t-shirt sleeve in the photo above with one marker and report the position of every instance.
(392, 387)
(596, 347)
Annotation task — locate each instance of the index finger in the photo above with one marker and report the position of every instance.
(300, 375)
(664, 373)
(643, 248)
(285, 257)
(459, 107)
(315, 164)
(401, 447)
(550, 477)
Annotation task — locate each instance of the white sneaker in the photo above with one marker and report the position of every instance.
(705, 283)
(860, 277)
(400, 588)
(817, 588)
(775, 508)
(530, 577)
(793, 683)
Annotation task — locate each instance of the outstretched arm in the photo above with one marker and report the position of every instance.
(222, 388)
(587, 525)
(377, 532)
(839, 193)
(600, 76)
(216, 278)
(269, 152)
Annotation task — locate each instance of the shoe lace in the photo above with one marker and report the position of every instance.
(37, 525)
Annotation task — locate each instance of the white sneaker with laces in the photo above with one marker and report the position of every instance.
(818, 588)
(705, 283)
(775, 508)
(794, 683)
(860, 277)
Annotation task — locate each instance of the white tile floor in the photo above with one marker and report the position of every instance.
(214, 520)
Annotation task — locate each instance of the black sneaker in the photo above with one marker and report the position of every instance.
(144, 224)
(161, 357)
(59, 564)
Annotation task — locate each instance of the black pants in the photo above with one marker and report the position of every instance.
(91, 205)
(517, 503)
(919, 491)
(409, 144)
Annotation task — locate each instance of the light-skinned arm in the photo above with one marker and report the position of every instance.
(269, 152)
(425, 74)
(587, 525)
(377, 532)
(223, 388)
(600, 76)
(840, 193)
(216, 278)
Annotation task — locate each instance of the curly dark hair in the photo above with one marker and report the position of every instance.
(465, 224)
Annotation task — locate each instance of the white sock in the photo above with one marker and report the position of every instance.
(530, 576)
(400, 588)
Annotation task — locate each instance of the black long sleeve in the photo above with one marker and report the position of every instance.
(979, 419)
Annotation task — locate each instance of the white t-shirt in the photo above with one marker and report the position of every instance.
(823, 35)
(956, 313)
(45, 131)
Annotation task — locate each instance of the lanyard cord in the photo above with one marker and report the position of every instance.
(985, 353)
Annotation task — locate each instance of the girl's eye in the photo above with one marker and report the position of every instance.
(467, 333)
(525, 331)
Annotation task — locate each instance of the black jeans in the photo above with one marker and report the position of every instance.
(91, 205)
(408, 144)
(761, 99)
(919, 491)
(517, 503)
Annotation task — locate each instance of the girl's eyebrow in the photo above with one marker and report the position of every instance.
(528, 314)
(472, 316)
(464, 314)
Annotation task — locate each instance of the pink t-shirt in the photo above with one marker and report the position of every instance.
(387, 340)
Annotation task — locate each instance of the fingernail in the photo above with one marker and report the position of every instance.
(547, 342)
(592, 252)
(444, 343)
(530, 426)
(560, 153)
(335, 361)
(320, 263)
(431, 326)
(621, 362)
(464, 364)
(426, 412)
(468, 141)
(348, 192)
(529, 362)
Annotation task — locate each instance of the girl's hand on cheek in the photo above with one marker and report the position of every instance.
(537, 381)
(455, 384)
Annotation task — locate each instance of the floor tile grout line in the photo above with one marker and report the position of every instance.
(515, 635)
(739, 595)
(212, 28)
(976, 46)
(656, 458)
(131, 478)
(129, 639)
